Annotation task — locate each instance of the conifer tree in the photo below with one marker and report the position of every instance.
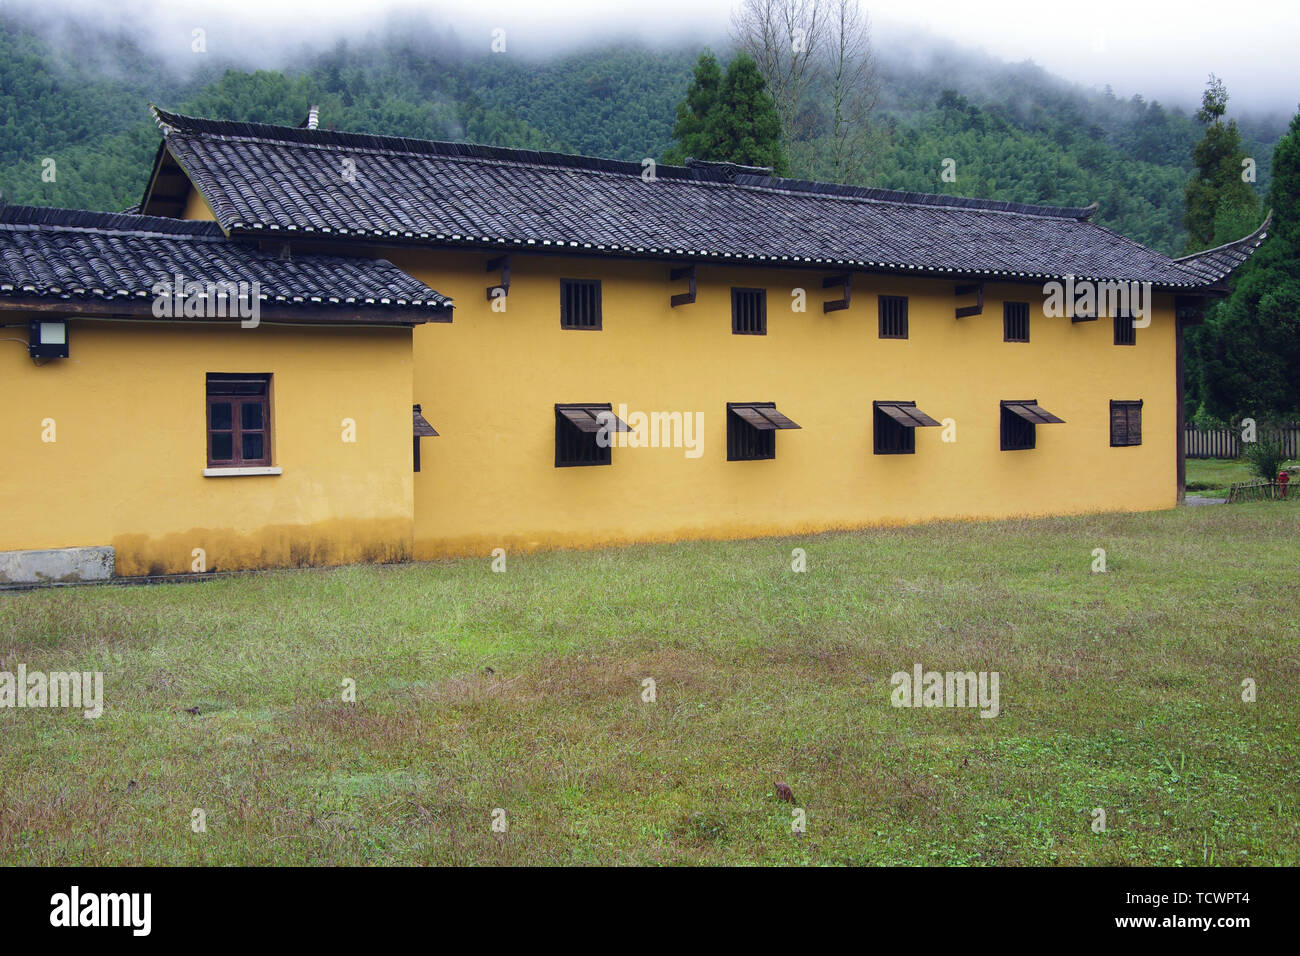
(728, 117)
(1220, 204)
(693, 134)
(1249, 348)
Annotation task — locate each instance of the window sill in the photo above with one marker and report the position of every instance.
(240, 472)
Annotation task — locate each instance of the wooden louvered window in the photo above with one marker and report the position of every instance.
(580, 304)
(1020, 419)
(747, 443)
(239, 420)
(1017, 434)
(1125, 423)
(893, 316)
(894, 427)
(584, 434)
(749, 311)
(1125, 333)
(1015, 321)
(752, 428)
(891, 437)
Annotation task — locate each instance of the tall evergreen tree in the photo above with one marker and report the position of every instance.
(749, 126)
(1220, 204)
(695, 131)
(1249, 348)
(729, 117)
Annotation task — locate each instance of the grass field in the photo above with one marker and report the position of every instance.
(523, 691)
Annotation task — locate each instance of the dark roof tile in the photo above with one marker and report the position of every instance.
(262, 179)
(75, 254)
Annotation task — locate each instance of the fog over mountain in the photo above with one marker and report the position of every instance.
(1017, 121)
(1160, 50)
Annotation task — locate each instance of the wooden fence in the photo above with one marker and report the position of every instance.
(1257, 490)
(1227, 443)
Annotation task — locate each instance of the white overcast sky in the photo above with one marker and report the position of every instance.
(1159, 48)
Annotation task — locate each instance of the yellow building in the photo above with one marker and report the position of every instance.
(199, 442)
(921, 357)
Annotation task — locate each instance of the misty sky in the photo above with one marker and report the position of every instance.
(1163, 50)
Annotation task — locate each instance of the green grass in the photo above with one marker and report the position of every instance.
(1210, 477)
(1118, 690)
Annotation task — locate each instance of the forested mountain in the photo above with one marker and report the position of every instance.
(1013, 131)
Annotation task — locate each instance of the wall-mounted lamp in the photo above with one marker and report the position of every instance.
(49, 339)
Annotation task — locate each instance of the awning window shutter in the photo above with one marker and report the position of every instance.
(1033, 412)
(907, 414)
(762, 415)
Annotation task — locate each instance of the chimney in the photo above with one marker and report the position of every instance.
(313, 117)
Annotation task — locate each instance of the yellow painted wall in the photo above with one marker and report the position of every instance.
(489, 381)
(130, 417)
(196, 207)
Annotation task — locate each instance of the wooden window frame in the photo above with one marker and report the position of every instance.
(573, 301)
(570, 440)
(883, 425)
(1131, 405)
(1008, 416)
(1008, 319)
(741, 317)
(1128, 337)
(747, 443)
(894, 320)
(237, 429)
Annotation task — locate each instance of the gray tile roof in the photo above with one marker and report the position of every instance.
(70, 254)
(1215, 264)
(274, 180)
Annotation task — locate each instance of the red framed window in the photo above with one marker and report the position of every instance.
(239, 420)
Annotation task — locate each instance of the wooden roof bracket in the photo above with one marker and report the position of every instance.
(689, 274)
(844, 282)
(501, 263)
(976, 289)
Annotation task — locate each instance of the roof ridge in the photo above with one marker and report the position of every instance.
(16, 217)
(700, 172)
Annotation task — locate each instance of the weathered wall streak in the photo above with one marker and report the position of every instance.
(324, 543)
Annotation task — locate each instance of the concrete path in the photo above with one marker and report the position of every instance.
(1194, 500)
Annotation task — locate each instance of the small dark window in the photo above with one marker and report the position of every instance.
(891, 437)
(1125, 333)
(580, 304)
(749, 311)
(1018, 434)
(747, 443)
(239, 425)
(1020, 418)
(752, 428)
(1125, 423)
(893, 316)
(894, 427)
(583, 434)
(1015, 321)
